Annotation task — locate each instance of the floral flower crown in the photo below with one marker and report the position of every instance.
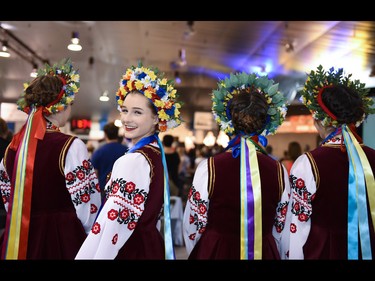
(157, 89)
(70, 78)
(316, 80)
(232, 86)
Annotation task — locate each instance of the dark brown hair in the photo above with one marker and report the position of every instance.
(344, 103)
(43, 90)
(249, 111)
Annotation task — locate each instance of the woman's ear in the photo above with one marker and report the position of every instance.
(156, 119)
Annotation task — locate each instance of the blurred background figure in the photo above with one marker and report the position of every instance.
(5, 138)
(269, 150)
(105, 156)
(294, 150)
(173, 163)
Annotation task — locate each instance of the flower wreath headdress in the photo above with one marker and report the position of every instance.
(70, 78)
(231, 86)
(157, 89)
(320, 79)
(250, 187)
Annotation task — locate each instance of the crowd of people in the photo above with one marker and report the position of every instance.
(240, 202)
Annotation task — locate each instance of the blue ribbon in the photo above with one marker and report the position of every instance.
(357, 203)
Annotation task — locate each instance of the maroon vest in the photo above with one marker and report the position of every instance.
(221, 239)
(55, 232)
(328, 234)
(146, 242)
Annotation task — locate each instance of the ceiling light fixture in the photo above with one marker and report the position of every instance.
(34, 72)
(190, 31)
(4, 50)
(289, 47)
(75, 46)
(104, 97)
(182, 57)
(177, 77)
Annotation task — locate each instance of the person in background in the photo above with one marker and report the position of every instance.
(48, 184)
(294, 151)
(328, 213)
(138, 189)
(232, 202)
(173, 163)
(105, 156)
(269, 150)
(4, 142)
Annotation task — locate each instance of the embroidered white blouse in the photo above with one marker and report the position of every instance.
(290, 242)
(192, 233)
(112, 228)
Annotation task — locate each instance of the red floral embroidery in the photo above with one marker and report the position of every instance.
(86, 164)
(190, 193)
(4, 176)
(202, 209)
(97, 187)
(85, 197)
(300, 183)
(284, 210)
(93, 208)
(132, 225)
(114, 239)
(280, 217)
(303, 217)
(197, 196)
(124, 214)
(115, 188)
(112, 214)
(133, 196)
(129, 187)
(192, 236)
(191, 219)
(296, 207)
(138, 199)
(202, 230)
(293, 228)
(201, 205)
(302, 199)
(70, 177)
(95, 228)
(80, 175)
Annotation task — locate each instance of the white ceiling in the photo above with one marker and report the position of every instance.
(213, 49)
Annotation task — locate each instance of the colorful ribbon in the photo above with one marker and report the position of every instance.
(360, 174)
(251, 203)
(168, 242)
(18, 217)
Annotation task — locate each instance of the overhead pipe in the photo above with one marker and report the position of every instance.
(19, 41)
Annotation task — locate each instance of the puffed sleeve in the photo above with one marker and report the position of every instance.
(299, 209)
(195, 214)
(4, 185)
(281, 210)
(127, 192)
(82, 183)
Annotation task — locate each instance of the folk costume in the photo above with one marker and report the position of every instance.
(48, 185)
(329, 211)
(232, 202)
(137, 193)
